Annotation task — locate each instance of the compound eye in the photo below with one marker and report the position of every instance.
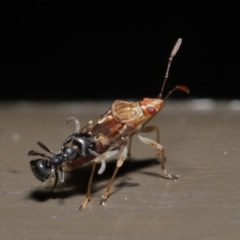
(151, 109)
(41, 169)
(70, 153)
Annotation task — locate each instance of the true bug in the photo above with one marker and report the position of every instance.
(104, 137)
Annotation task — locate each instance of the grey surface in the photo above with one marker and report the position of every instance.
(202, 145)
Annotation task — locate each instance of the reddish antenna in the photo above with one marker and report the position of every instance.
(180, 87)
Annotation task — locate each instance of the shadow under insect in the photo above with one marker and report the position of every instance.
(76, 181)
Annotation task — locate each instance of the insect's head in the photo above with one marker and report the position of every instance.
(151, 106)
(42, 168)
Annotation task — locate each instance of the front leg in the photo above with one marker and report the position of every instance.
(160, 149)
(146, 129)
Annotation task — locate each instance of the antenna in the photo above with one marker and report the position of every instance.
(179, 87)
(173, 53)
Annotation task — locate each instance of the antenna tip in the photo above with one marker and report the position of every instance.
(176, 47)
(179, 41)
(183, 88)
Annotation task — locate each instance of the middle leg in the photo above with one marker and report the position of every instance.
(120, 161)
(100, 158)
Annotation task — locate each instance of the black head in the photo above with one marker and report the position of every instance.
(41, 169)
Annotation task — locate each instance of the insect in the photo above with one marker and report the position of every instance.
(109, 134)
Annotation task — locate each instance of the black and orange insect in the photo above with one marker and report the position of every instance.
(109, 134)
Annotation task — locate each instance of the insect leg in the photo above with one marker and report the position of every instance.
(101, 158)
(55, 182)
(57, 175)
(147, 129)
(61, 174)
(129, 147)
(88, 196)
(120, 161)
(76, 122)
(160, 148)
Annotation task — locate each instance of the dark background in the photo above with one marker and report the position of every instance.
(73, 50)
